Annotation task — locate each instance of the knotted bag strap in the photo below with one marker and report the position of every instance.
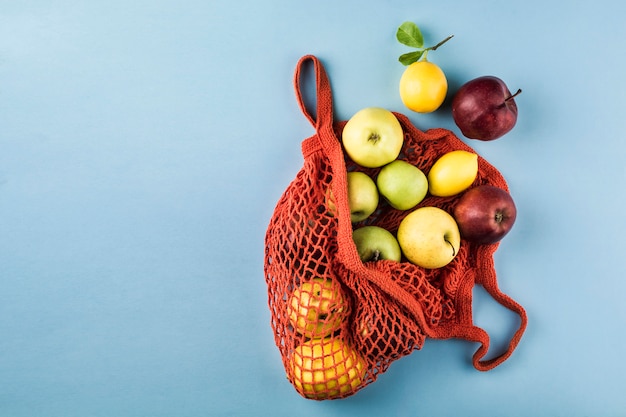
(484, 275)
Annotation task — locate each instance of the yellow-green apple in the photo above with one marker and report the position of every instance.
(372, 137)
(362, 196)
(375, 243)
(485, 214)
(429, 237)
(484, 108)
(327, 368)
(402, 184)
(318, 307)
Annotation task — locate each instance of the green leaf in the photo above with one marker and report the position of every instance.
(410, 57)
(409, 34)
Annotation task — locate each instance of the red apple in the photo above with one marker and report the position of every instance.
(485, 214)
(484, 108)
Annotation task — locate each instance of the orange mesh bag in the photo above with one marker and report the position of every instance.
(339, 322)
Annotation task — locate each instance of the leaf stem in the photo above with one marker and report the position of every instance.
(434, 48)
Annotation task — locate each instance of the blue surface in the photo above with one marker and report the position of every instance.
(144, 144)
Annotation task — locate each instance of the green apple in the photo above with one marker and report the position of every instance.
(372, 137)
(429, 237)
(402, 184)
(375, 243)
(362, 196)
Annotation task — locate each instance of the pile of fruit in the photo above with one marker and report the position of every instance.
(428, 236)
(323, 365)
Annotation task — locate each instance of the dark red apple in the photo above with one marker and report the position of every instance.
(484, 108)
(485, 214)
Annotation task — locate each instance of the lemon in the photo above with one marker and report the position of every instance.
(423, 87)
(452, 173)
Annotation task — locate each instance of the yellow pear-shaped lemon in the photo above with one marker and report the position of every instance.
(452, 173)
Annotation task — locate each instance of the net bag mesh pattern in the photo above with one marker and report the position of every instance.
(338, 322)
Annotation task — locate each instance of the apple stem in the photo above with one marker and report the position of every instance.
(451, 247)
(519, 90)
(376, 255)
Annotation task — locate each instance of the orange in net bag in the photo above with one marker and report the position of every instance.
(339, 322)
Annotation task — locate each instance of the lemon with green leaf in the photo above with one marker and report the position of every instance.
(423, 85)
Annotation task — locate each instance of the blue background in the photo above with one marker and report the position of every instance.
(144, 144)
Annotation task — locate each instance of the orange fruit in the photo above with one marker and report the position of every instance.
(327, 368)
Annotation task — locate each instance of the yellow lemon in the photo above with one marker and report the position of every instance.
(423, 87)
(326, 368)
(452, 173)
